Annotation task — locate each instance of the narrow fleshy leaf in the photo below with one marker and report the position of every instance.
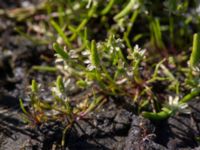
(22, 106)
(126, 9)
(34, 86)
(94, 54)
(61, 33)
(60, 51)
(195, 56)
(59, 84)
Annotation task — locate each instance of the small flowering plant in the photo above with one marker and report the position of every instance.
(96, 70)
(103, 69)
(176, 106)
(102, 64)
(60, 107)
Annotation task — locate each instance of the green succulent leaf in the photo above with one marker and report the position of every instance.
(94, 54)
(195, 56)
(61, 33)
(164, 114)
(34, 86)
(60, 51)
(127, 9)
(22, 106)
(60, 84)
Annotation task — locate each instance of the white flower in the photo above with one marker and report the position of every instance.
(87, 61)
(176, 106)
(137, 53)
(56, 91)
(85, 53)
(73, 54)
(173, 101)
(139, 50)
(91, 67)
(121, 81)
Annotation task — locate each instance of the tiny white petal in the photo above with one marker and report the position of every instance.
(85, 53)
(87, 61)
(91, 67)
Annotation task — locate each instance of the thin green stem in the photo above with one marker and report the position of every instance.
(190, 96)
(108, 7)
(127, 9)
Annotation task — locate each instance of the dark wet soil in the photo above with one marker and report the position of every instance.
(115, 126)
